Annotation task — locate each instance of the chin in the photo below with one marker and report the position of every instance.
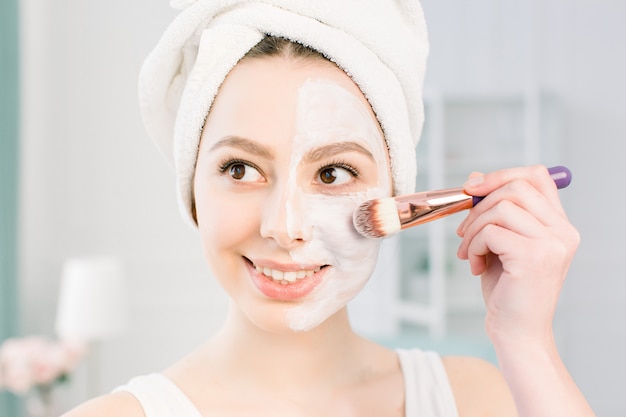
(268, 316)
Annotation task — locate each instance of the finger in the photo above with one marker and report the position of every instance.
(492, 240)
(522, 194)
(536, 175)
(474, 174)
(505, 214)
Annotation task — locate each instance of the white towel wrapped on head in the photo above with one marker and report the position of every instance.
(381, 44)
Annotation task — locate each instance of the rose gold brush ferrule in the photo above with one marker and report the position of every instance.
(419, 208)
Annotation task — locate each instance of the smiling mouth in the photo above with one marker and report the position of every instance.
(285, 277)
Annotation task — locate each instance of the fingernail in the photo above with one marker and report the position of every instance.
(474, 181)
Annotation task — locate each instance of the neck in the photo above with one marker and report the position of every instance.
(327, 352)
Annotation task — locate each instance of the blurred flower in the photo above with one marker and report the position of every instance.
(35, 361)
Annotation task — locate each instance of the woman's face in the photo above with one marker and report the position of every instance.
(288, 152)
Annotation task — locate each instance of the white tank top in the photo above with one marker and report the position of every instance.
(427, 390)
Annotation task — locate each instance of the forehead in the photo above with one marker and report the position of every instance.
(261, 91)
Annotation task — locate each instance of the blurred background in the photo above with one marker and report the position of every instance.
(508, 82)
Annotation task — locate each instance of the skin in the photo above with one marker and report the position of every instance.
(327, 115)
(283, 216)
(521, 244)
(518, 239)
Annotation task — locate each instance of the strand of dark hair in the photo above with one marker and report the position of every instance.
(277, 46)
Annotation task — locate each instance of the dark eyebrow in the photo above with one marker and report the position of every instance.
(335, 149)
(244, 144)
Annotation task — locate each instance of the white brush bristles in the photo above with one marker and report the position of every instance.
(377, 218)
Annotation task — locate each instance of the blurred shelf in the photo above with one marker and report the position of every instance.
(463, 133)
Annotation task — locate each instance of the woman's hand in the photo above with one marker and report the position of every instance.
(519, 240)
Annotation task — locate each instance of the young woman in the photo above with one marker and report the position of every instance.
(290, 147)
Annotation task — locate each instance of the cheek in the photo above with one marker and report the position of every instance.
(337, 243)
(225, 220)
(335, 233)
(334, 237)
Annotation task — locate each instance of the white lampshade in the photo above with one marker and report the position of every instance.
(92, 299)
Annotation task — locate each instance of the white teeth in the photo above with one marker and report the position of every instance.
(289, 276)
(285, 277)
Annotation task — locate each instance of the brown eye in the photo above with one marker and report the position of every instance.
(328, 175)
(242, 172)
(237, 171)
(336, 174)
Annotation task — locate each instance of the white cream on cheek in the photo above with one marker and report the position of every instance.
(327, 113)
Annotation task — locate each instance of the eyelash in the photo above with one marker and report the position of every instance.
(340, 164)
(228, 162)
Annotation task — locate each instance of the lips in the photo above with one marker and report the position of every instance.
(285, 277)
(285, 282)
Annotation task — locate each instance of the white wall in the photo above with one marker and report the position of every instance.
(574, 49)
(592, 83)
(92, 183)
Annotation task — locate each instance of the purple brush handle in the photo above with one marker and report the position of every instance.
(560, 174)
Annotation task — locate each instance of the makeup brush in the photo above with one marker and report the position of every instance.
(385, 216)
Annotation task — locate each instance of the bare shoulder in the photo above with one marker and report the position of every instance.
(121, 404)
(478, 387)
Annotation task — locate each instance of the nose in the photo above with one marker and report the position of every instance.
(284, 218)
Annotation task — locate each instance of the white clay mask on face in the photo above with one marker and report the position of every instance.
(326, 114)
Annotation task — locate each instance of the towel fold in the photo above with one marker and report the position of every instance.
(381, 45)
